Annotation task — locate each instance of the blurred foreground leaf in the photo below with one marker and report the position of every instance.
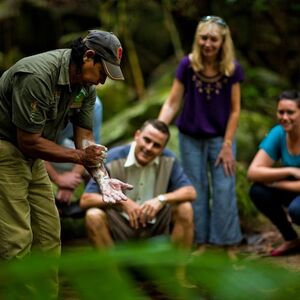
(143, 270)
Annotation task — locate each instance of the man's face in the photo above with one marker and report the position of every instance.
(150, 142)
(92, 73)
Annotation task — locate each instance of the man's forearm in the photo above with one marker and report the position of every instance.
(187, 193)
(89, 200)
(35, 146)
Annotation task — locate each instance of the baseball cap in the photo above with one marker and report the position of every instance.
(109, 48)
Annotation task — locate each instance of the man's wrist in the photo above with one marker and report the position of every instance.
(162, 199)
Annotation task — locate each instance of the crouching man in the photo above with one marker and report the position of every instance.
(159, 204)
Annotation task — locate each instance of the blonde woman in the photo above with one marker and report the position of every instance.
(206, 91)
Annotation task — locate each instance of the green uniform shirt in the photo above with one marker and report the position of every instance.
(36, 96)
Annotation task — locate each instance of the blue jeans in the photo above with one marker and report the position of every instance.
(271, 202)
(215, 209)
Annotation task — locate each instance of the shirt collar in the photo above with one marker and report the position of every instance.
(131, 160)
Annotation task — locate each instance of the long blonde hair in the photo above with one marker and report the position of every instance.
(226, 55)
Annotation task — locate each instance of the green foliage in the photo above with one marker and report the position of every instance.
(247, 211)
(121, 125)
(260, 5)
(261, 89)
(9, 58)
(252, 128)
(153, 269)
(116, 97)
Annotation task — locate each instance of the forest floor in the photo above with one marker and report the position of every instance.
(257, 245)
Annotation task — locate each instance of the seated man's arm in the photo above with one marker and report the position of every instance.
(89, 200)
(186, 193)
(152, 206)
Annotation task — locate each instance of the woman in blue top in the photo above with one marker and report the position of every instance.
(277, 187)
(207, 92)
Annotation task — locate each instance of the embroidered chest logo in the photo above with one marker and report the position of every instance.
(77, 103)
(208, 86)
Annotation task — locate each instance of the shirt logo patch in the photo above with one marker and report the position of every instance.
(77, 103)
(34, 106)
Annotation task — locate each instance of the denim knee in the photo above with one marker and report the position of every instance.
(294, 210)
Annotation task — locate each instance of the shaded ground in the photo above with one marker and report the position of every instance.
(256, 246)
(260, 244)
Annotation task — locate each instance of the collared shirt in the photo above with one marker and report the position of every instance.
(141, 177)
(35, 96)
(168, 178)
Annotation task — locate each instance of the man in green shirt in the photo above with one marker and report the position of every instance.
(38, 96)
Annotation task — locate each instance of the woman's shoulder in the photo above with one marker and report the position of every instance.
(237, 65)
(238, 72)
(276, 133)
(185, 60)
(273, 142)
(277, 129)
(183, 67)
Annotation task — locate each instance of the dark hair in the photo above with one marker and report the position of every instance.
(78, 49)
(293, 95)
(159, 125)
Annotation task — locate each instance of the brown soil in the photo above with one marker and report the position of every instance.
(256, 246)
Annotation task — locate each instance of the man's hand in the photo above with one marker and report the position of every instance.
(111, 189)
(64, 195)
(149, 210)
(68, 180)
(134, 211)
(94, 155)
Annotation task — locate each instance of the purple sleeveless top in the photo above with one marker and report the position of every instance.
(207, 101)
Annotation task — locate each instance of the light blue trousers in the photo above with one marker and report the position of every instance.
(215, 209)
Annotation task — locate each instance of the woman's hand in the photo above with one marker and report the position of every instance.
(226, 158)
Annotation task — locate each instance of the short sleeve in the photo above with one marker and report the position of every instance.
(30, 102)
(178, 177)
(271, 144)
(92, 187)
(238, 75)
(182, 69)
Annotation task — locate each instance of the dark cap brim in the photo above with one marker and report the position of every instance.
(112, 71)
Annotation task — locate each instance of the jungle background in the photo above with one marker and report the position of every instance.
(155, 34)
